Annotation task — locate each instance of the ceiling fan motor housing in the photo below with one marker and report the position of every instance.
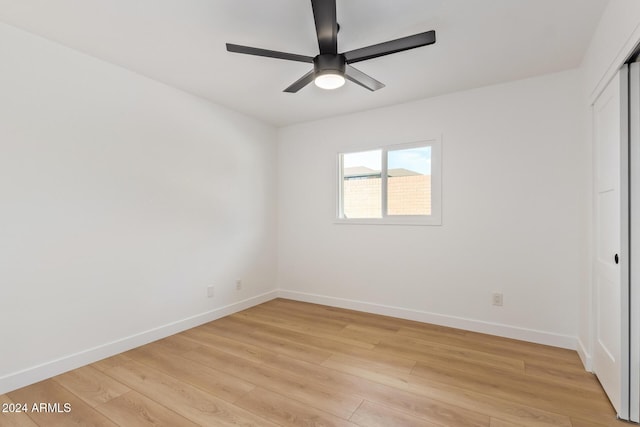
(329, 64)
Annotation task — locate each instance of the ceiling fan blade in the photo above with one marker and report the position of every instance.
(358, 77)
(324, 13)
(393, 46)
(301, 82)
(268, 53)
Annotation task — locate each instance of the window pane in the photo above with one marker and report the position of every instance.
(361, 184)
(409, 182)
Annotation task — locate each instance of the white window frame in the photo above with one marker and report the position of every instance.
(436, 187)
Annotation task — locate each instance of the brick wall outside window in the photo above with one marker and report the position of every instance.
(407, 195)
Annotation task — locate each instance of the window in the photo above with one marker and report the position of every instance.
(397, 184)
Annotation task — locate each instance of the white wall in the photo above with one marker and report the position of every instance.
(617, 35)
(514, 219)
(121, 200)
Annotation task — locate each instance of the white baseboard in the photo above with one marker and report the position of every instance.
(41, 372)
(585, 357)
(531, 335)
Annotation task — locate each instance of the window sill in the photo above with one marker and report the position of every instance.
(390, 221)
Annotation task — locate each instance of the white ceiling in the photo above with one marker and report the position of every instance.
(182, 43)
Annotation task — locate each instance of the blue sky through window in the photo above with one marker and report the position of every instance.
(369, 159)
(414, 159)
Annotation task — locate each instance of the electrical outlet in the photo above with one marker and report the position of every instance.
(210, 291)
(497, 299)
(238, 285)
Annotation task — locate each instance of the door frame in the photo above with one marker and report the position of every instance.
(625, 301)
(634, 243)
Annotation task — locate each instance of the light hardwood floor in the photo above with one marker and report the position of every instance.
(290, 363)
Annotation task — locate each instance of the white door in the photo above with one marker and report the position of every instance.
(610, 353)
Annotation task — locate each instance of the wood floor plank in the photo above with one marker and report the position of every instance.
(91, 385)
(612, 421)
(225, 328)
(12, 416)
(303, 328)
(374, 415)
(359, 361)
(109, 362)
(500, 423)
(526, 413)
(516, 388)
(438, 412)
(339, 314)
(427, 352)
(288, 318)
(496, 345)
(333, 400)
(206, 336)
(177, 344)
(263, 328)
(51, 393)
(366, 334)
(582, 423)
(426, 330)
(287, 412)
(325, 345)
(556, 374)
(213, 381)
(132, 409)
(470, 400)
(188, 401)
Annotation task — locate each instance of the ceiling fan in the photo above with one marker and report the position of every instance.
(330, 68)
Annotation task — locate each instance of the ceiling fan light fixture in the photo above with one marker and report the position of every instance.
(329, 71)
(329, 81)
